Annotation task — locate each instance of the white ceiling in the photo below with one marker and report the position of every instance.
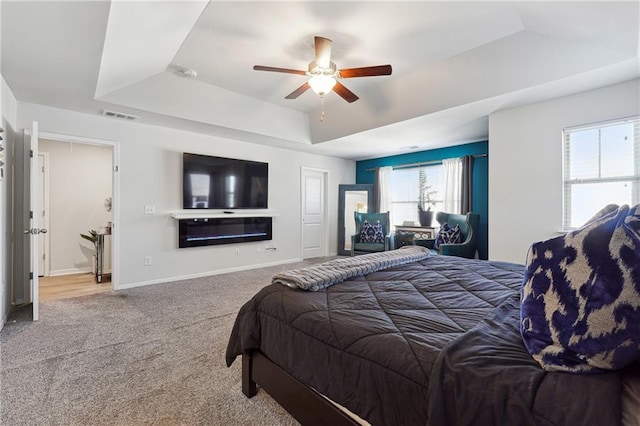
(454, 63)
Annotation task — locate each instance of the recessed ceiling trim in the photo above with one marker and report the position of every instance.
(137, 47)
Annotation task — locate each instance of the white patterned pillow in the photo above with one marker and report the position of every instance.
(371, 233)
(448, 235)
(580, 308)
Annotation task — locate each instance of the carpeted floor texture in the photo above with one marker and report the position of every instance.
(149, 355)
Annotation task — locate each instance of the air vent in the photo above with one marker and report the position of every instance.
(121, 115)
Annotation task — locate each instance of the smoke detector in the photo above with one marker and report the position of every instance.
(189, 73)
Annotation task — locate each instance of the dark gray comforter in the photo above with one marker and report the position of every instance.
(434, 341)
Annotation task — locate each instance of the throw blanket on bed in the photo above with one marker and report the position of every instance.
(487, 377)
(329, 273)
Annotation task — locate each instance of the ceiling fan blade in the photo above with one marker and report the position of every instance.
(274, 69)
(365, 71)
(345, 93)
(323, 52)
(299, 91)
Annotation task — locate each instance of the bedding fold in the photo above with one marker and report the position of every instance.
(492, 356)
(326, 274)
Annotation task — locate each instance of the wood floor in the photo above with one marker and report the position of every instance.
(75, 285)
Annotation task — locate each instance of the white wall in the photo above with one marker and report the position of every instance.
(150, 174)
(8, 114)
(79, 182)
(525, 167)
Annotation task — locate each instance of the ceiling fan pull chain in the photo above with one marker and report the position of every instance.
(322, 105)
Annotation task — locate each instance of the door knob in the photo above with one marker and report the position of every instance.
(35, 231)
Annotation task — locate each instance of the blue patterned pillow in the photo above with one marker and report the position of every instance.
(371, 233)
(448, 235)
(580, 308)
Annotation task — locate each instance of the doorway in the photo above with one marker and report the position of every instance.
(314, 185)
(77, 195)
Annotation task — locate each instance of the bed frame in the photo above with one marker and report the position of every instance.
(305, 404)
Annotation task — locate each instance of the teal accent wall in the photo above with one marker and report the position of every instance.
(480, 177)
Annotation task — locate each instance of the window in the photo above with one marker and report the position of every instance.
(601, 166)
(405, 190)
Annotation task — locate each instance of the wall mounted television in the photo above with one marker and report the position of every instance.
(223, 183)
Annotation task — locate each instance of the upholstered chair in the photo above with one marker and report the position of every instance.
(468, 224)
(373, 233)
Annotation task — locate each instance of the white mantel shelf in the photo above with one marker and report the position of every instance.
(201, 214)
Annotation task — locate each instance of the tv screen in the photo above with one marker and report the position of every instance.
(223, 183)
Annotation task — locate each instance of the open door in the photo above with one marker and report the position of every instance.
(34, 215)
(25, 277)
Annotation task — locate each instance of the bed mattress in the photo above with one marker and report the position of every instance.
(420, 343)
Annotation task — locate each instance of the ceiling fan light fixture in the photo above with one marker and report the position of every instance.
(322, 84)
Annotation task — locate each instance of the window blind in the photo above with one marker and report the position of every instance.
(601, 166)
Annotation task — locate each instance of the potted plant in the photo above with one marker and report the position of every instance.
(426, 200)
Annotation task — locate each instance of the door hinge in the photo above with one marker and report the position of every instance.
(115, 168)
(31, 153)
(31, 214)
(30, 275)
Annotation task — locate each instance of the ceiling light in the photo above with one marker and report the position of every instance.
(322, 84)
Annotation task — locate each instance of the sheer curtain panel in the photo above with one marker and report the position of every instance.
(383, 189)
(452, 184)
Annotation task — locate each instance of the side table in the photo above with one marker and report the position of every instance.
(405, 235)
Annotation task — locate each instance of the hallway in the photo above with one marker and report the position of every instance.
(67, 286)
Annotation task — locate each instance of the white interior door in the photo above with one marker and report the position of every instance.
(34, 230)
(43, 212)
(314, 233)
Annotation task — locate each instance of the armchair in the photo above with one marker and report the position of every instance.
(468, 223)
(373, 239)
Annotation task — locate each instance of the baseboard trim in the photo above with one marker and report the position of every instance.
(206, 274)
(5, 319)
(70, 271)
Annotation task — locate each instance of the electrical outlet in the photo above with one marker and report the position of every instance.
(147, 261)
(149, 209)
(237, 252)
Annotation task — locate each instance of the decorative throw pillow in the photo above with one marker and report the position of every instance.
(580, 309)
(448, 235)
(371, 233)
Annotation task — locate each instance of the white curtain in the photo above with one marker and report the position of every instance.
(384, 190)
(452, 185)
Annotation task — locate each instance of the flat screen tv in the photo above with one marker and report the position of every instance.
(223, 183)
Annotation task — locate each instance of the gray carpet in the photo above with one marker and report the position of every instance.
(150, 355)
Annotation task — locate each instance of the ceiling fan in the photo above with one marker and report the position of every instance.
(324, 74)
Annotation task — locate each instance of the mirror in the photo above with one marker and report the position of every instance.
(351, 198)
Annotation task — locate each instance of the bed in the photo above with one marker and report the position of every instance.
(434, 341)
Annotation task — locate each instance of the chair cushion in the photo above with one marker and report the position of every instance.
(580, 309)
(369, 247)
(371, 233)
(448, 235)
